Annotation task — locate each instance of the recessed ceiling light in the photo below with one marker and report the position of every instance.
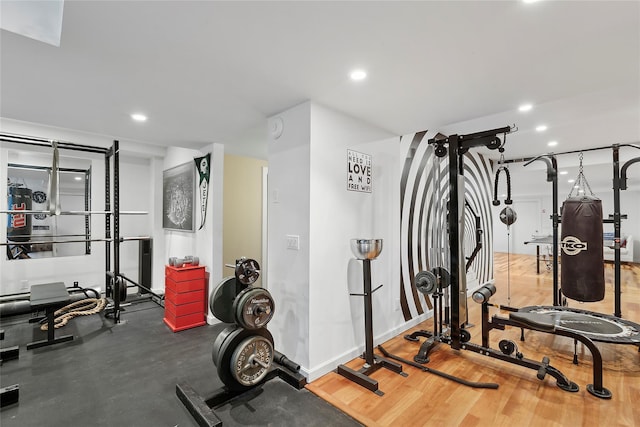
(77, 178)
(358, 75)
(530, 1)
(552, 143)
(564, 173)
(138, 117)
(541, 128)
(525, 107)
(570, 181)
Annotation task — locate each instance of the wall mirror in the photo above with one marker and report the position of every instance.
(41, 235)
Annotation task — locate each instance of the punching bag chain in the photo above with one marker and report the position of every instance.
(581, 182)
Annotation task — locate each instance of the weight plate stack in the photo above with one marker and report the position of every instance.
(242, 356)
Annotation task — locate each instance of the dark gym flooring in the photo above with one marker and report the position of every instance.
(125, 375)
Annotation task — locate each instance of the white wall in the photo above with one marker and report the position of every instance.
(288, 214)
(337, 216)
(317, 323)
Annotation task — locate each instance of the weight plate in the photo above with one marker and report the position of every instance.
(226, 345)
(426, 282)
(443, 276)
(247, 271)
(253, 308)
(251, 360)
(222, 350)
(118, 287)
(221, 301)
(217, 343)
(122, 288)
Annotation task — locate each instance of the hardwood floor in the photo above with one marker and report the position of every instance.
(426, 399)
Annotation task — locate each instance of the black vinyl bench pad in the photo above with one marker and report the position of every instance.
(50, 297)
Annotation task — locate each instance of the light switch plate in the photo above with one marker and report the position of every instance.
(293, 242)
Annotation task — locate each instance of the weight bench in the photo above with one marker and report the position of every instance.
(48, 297)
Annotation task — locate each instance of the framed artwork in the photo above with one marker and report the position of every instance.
(178, 196)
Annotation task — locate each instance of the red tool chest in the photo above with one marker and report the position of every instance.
(185, 297)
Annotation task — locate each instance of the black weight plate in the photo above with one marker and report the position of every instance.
(443, 276)
(228, 348)
(426, 282)
(221, 301)
(225, 347)
(122, 288)
(219, 341)
(246, 308)
(247, 271)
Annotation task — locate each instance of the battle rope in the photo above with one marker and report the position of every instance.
(83, 307)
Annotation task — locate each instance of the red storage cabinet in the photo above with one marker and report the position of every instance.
(185, 297)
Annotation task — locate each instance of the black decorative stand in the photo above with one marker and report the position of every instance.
(366, 250)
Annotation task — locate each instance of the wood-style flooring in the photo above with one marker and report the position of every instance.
(423, 399)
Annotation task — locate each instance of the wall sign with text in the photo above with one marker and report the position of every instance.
(358, 171)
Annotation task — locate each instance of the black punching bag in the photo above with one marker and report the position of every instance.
(582, 273)
(19, 225)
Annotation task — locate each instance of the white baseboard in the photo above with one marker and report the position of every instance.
(331, 364)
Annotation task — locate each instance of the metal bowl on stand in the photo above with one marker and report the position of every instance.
(366, 248)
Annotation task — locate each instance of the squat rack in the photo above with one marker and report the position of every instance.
(619, 183)
(114, 280)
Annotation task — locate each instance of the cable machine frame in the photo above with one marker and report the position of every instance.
(619, 183)
(115, 285)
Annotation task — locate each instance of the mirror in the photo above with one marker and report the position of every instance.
(41, 235)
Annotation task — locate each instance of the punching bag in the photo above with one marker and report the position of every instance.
(582, 273)
(19, 225)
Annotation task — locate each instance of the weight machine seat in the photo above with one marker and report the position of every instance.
(50, 297)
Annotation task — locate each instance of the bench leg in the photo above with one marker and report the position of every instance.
(51, 339)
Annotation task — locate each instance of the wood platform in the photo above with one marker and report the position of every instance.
(425, 399)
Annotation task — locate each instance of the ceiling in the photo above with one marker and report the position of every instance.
(210, 71)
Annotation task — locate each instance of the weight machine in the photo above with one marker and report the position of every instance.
(115, 281)
(457, 337)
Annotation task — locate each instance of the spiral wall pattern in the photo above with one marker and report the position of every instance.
(424, 191)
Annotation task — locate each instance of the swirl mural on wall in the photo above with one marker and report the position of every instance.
(424, 191)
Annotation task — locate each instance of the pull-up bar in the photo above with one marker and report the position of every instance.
(42, 142)
(584, 150)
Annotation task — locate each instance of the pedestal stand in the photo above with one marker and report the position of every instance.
(366, 250)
